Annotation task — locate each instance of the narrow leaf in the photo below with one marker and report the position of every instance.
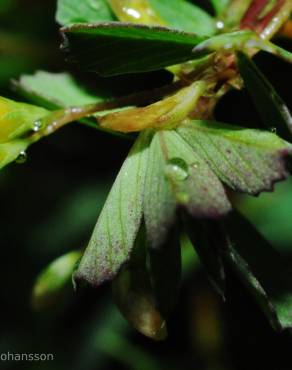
(117, 48)
(247, 160)
(209, 242)
(165, 265)
(271, 107)
(85, 11)
(166, 113)
(253, 259)
(116, 229)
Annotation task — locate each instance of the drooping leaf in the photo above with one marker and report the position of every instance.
(177, 175)
(165, 267)
(219, 5)
(116, 229)
(254, 259)
(55, 90)
(247, 160)
(134, 295)
(53, 279)
(115, 48)
(85, 11)
(269, 104)
(17, 119)
(184, 16)
(209, 243)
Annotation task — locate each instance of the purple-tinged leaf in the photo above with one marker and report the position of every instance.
(247, 160)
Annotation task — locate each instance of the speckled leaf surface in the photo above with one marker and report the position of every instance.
(177, 175)
(119, 221)
(116, 48)
(247, 160)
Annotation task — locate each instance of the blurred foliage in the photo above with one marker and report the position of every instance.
(49, 206)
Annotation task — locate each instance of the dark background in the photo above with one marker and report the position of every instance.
(49, 205)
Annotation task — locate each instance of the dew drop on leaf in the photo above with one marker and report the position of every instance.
(176, 169)
(220, 25)
(22, 157)
(37, 125)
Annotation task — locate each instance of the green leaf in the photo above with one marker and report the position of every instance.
(272, 109)
(85, 11)
(184, 16)
(17, 119)
(159, 204)
(53, 279)
(115, 48)
(247, 160)
(209, 242)
(177, 175)
(254, 260)
(219, 5)
(9, 152)
(116, 229)
(165, 266)
(55, 90)
(134, 295)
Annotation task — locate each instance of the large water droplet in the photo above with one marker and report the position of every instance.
(177, 169)
(220, 25)
(22, 157)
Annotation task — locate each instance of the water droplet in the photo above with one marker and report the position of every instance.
(182, 197)
(195, 165)
(177, 169)
(273, 130)
(22, 157)
(37, 125)
(220, 25)
(94, 4)
(132, 12)
(228, 46)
